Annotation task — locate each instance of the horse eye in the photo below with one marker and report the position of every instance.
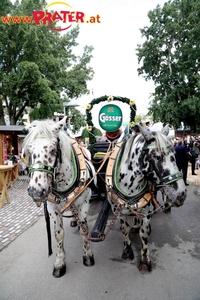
(53, 152)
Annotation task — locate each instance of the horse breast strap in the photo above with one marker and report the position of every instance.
(76, 191)
(109, 183)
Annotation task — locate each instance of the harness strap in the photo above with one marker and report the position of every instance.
(155, 201)
(81, 160)
(85, 153)
(143, 201)
(81, 189)
(75, 192)
(48, 227)
(140, 204)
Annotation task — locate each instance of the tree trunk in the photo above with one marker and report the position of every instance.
(12, 120)
(2, 120)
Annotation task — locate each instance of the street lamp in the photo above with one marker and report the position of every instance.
(71, 103)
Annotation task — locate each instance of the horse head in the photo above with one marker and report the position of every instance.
(42, 144)
(149, 157)
(158, 164)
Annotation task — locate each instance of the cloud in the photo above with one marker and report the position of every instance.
(115, 40)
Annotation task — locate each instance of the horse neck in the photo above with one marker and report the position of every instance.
(130, 177)
(132, 184)
(64, 173)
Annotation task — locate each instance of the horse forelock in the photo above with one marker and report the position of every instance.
(39, 129)
(43, 129)
(136, 143)
(161, 142)
(130, 146)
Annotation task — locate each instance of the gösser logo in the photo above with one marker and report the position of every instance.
(110, 117)
(65, 16)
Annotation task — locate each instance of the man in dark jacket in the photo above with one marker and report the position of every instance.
(182, 159)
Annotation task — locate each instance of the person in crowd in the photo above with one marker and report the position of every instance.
(182, 159)
(147, 127)
(194, 153)
(135, 130)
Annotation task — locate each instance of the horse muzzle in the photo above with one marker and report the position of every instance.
(38, 195)
(179, 201)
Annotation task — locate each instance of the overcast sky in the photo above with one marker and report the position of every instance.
(115, 40)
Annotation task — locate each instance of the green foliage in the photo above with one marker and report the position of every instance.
(77, 119)
(38, 65)
(87, 134)
(170, 57)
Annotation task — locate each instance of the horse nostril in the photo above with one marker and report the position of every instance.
(44, 192)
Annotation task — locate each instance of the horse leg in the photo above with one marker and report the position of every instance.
(127, 251)
(59, 265)
(136, 225)
(88, 258)
(144, 233)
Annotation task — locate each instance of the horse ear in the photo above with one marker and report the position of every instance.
(165, 130)
(146, 134)
(27, 127)
(59, 125)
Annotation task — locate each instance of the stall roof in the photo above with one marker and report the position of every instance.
(11, 128)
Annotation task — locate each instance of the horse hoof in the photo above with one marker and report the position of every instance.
(145, 267)
(128, 254)
(73, 223)
(88, 261)
(59, 272)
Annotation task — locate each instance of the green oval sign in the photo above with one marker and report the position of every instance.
(110, 117)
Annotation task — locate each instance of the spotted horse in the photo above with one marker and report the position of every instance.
(61, 178)
(138, 168)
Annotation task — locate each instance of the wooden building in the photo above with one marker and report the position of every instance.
(10, 141)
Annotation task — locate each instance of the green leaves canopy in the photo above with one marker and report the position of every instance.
(38, 65)
(170, 57)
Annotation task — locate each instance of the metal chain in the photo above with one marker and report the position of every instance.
(80, 224)
(110, 226)
(116, 214)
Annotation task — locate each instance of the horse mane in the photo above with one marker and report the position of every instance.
(161, 143)
(43, 129)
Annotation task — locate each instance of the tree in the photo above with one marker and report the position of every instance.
(76, 119)
(87, 134)
(170, 57)
(38, 65)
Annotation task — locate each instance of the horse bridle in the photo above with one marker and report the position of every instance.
(41, 167)
(166, 180)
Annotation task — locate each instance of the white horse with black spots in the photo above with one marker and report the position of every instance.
(55, 178)
(143, 165)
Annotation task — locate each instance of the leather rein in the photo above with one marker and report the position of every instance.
(144, 196)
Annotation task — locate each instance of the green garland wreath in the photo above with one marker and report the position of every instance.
(89, 107)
